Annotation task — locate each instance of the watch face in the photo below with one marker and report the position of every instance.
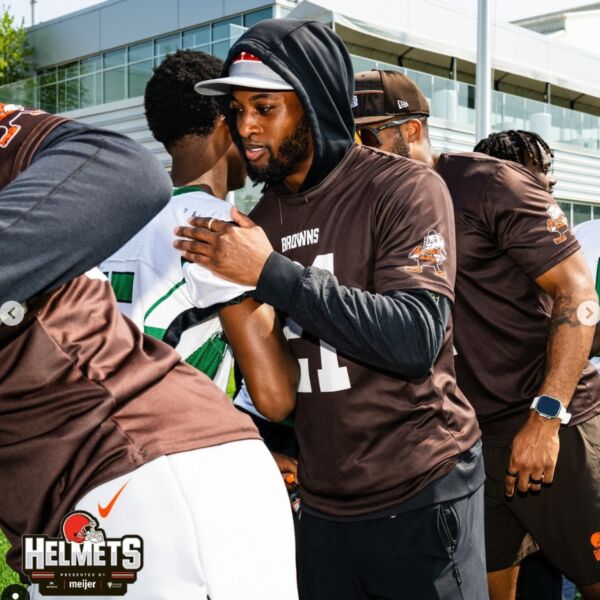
(548, 406)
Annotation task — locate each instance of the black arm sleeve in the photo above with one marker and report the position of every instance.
(85, 194)
(402, 331)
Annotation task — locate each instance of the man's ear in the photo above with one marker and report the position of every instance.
(221, 125)
(222, 134)
(412, 131)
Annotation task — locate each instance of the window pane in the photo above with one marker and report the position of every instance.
(566, 207)
(68, 71)
(256, 16)
(48, 77)
(466, 112)
(115, 58)
(220, 30)
(114, 84)
(581, 213)
(22, 92)
(139, 74)
(91, 64)
(90, 90)
(220, 49)
(167, 45)
(197, 38)
(48, 98)
(68, 95)
(140, 51)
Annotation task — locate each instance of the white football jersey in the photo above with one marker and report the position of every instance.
(161, 293)
(588, 235)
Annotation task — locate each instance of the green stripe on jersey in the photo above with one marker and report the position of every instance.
(186, 189)
(209, 356)
(163, 298)
(122, 284)
(155, 332)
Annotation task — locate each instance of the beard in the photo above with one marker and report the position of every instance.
(400, 147)
(293, 150)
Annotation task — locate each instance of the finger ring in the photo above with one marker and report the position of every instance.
(512, 474)
(536, 481)
(209, 224)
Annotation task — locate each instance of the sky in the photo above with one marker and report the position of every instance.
(505, 10)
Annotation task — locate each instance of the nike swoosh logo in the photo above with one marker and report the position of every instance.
(105, 511)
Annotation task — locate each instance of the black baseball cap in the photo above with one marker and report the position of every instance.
(379, 95)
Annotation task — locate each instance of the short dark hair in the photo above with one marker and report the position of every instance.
(173, 108)
(515, 145)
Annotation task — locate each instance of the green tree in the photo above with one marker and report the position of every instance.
(15, 50)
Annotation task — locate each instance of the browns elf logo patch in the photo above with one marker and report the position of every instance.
(557, 223)
(595, 541)
(10, 130)
(431, 254)
(7, 109)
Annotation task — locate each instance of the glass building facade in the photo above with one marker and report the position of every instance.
(123, 72)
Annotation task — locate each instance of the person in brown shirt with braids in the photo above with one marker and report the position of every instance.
(521, 352)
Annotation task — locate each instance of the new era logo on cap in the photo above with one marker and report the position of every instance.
(385, 94)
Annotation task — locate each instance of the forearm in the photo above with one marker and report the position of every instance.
(401, 333)
(569, 344)
(536, 445)
(80, 200)
(264, 357)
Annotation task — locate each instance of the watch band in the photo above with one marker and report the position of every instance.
(561, 414)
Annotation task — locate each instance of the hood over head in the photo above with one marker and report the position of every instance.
(314, 61)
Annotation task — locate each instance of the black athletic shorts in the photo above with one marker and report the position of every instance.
(563, 519)
(431, 553)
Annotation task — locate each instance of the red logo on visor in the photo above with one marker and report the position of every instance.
(245, 56)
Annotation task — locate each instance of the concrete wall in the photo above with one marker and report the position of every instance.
(581, 30)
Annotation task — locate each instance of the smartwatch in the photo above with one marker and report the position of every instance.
(550, 408)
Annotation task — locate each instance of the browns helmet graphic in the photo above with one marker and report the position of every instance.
(431, 254)
(557, 223)
(80, 527)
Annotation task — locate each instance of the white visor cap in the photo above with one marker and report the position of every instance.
(246, 71)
